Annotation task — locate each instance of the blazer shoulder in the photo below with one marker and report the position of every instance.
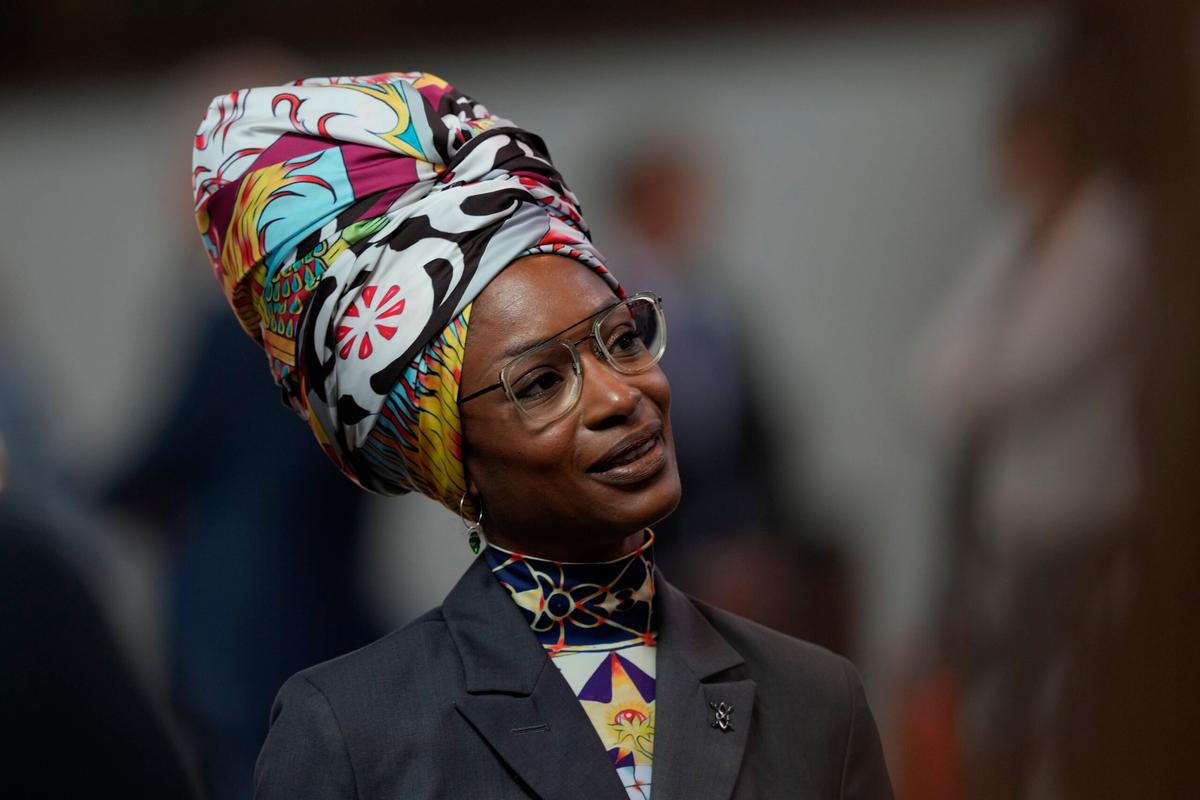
(335, 727)
(421, 646)
(773, 656)
(825, 687)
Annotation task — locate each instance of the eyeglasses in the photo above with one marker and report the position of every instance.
(545, 381)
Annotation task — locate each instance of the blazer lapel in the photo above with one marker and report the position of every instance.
(697, 672)
(517, 700)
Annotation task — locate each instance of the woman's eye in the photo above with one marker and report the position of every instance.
(537, 384)
(625, 341)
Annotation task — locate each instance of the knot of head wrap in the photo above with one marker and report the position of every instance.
(351, 222)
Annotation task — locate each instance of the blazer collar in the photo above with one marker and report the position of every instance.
(499, 652)
(516, 700)
(698, 672)
(688, 635)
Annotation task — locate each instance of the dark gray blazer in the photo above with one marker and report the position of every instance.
(463, 703)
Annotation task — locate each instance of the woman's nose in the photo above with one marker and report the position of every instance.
(608, 397)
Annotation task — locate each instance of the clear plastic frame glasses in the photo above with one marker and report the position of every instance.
(545, 381)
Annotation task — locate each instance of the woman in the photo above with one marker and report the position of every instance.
(364, 230)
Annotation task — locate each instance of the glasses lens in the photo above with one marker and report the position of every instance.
(633, 335)
(543, 382)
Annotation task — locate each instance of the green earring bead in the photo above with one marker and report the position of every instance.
(472, 527)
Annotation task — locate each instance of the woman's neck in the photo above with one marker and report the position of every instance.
(567, 549)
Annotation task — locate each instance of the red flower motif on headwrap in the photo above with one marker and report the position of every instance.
(366, 316)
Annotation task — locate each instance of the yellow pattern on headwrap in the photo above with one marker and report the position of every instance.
(403, 135)
(420, 422)
(244, 249)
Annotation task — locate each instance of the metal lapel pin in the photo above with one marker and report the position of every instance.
(724, 716)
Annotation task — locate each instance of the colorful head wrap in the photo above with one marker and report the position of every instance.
(351, 222)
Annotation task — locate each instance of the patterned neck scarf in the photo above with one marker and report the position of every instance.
(596, 622)
(351, 222)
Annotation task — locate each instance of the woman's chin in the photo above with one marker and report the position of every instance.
(655, 502)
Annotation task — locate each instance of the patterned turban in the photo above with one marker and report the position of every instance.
(351, 222)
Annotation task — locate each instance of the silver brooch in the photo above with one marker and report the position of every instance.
(724, 716)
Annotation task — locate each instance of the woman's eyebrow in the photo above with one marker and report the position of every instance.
(522, 346)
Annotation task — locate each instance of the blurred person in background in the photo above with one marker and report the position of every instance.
(660, 201)
(1029, 371)
(263, 576)
(1030, 364)
(731, 532)
(1038, 369)
(78, 717)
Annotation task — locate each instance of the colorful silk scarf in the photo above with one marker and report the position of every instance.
(351, 222)
(596, 622)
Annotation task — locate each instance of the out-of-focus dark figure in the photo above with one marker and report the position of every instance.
(77, 719)
(1069, 363)
(732, 533)
(724, 467)
(264, 531)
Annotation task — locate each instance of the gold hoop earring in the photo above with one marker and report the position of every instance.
(473, 528)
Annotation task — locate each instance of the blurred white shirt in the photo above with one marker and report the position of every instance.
(1033, 350)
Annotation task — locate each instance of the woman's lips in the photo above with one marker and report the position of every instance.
(635, 465)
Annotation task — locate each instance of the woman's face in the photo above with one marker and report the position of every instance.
(559, 489)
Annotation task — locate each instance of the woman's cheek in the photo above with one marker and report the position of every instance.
(536, 460)
(658, 388)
